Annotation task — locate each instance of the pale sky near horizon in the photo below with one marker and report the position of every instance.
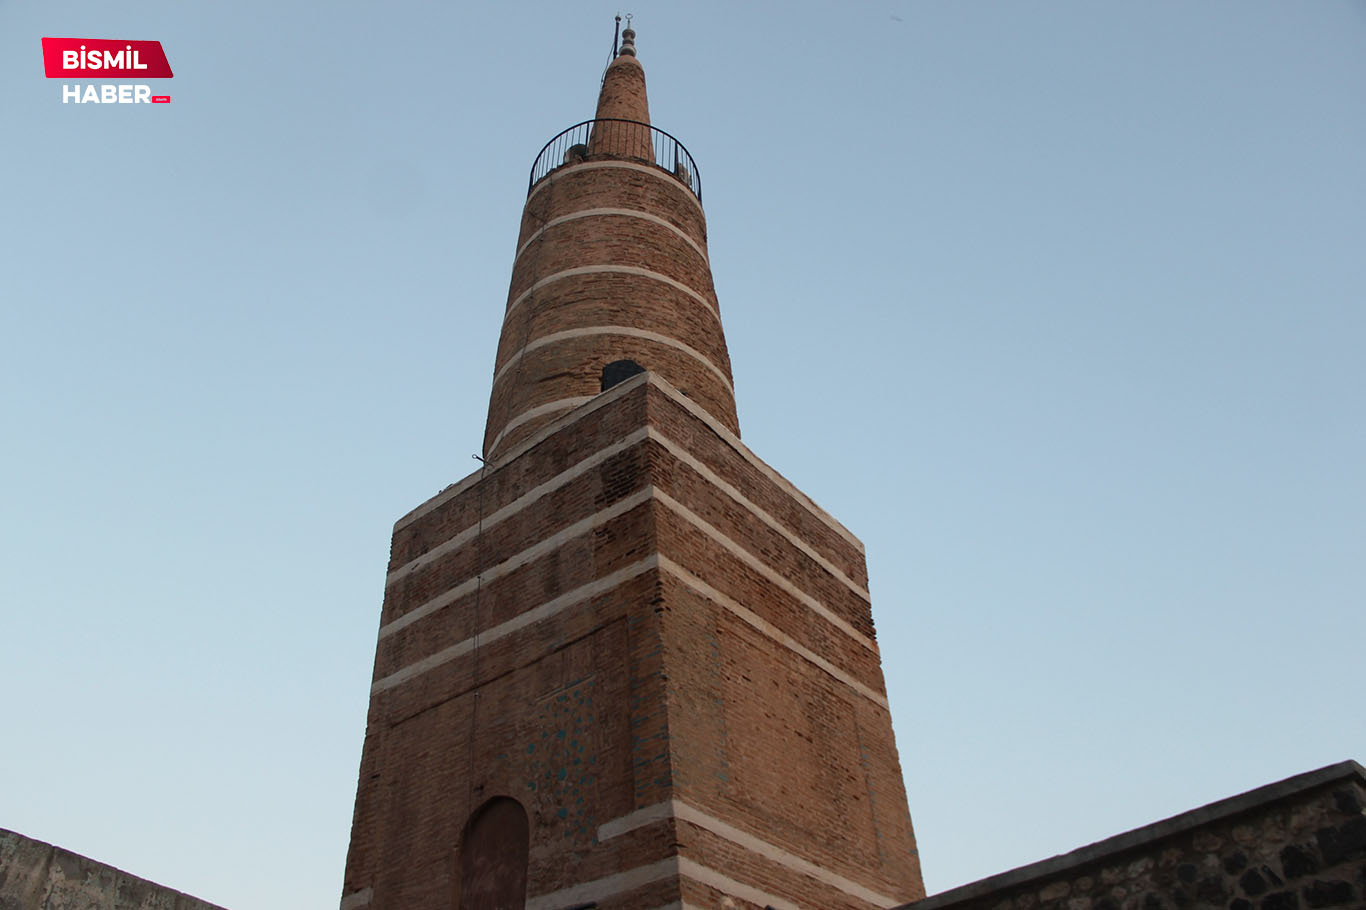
(1057, 305)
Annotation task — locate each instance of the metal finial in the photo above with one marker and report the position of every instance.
(628, 39)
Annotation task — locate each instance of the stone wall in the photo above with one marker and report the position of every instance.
(39, 876)
(1299, 843)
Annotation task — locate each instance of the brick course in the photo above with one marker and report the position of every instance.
(663, 692)
(568, 368)
(625, 621)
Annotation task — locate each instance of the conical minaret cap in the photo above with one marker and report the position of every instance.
(623, 87)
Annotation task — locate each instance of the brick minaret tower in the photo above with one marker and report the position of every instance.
(626, 663)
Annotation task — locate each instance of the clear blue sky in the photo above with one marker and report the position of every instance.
(1060, 306)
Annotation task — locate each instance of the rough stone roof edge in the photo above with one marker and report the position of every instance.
(1167, 827)
(89, 863)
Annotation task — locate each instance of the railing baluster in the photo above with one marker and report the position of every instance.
(616, 138)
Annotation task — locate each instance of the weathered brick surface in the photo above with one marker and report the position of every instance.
(612, 184)
(429, 526)
(737, 523)
(531, 375)
(742, 471)
(640, 694)
(764, 874)
(599, 488)
(611, 239)
(713, 563)
(606, 299)
(767, 742)
(626, 619)
(573, 369)
(561, 715)
(1300, 843)
(623, 94)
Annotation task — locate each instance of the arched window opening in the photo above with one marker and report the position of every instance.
(493, 857)
(619, 371)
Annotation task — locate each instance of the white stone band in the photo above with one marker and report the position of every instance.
(550, 407)
(681, 811)
(621, 331)
(625, 213)
(609, 269)
(561, 172)
(517, 560)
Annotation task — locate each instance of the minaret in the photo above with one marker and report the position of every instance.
(626, 664)
(611, 266)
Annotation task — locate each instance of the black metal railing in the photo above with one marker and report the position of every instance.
(626, 140)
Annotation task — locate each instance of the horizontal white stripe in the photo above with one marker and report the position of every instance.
(625, 213)
(765, 570)
(447, 493)
(713, 478)
(777, 854)
(612, 270)
(624, 824)
(768, 629)
(550, 407)
(531, 496)
(733, 440)
(670, 867)
(561, 172)
(536, 493)
(517, 560)
(455, 489)
(607, 398)
(621, 330)
(521, 502)
(520, 621)
(727, 885)
(584, 592)
(619, 508)
(600, 888)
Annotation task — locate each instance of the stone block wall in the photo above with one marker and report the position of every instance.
(1299, 844)
(39, 876)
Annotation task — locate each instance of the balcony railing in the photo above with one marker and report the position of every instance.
(622, 140)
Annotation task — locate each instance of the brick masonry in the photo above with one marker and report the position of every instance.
(623, 91)
(626, 621)
(611, 264)
(586, 263)
(679, 677)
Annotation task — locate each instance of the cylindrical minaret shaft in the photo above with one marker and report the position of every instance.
(611, 274)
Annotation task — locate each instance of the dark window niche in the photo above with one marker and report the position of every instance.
(619, 371)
